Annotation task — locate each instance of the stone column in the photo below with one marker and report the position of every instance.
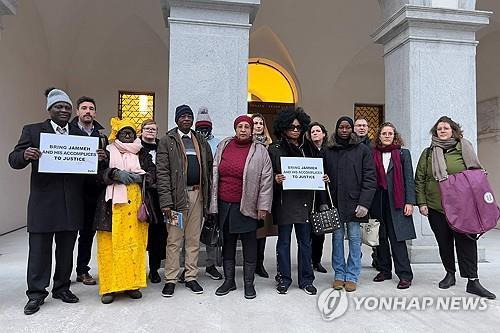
(430, 71)
(209, 45)
(7, 7)
(488, 137)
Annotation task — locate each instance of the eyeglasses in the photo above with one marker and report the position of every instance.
(294, 127)
(149, 129)
(360, 125)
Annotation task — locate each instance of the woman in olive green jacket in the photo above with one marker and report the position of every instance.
(449, 153)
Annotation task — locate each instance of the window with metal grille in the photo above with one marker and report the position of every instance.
(374, 115)
(137, 106)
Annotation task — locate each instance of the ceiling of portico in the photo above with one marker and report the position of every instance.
(325, 45)
(77, 30)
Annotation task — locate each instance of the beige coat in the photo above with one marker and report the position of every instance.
(257, 180)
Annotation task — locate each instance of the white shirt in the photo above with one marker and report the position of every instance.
(386, 159)
(55, 126)
(182, 134)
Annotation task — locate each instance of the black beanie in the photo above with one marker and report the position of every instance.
(181, 110)
(344, 118)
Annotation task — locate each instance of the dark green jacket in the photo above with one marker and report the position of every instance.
(426, 186)
(171, 170)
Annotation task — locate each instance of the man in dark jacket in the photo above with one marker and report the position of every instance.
(85, 120)
(361, 129)
(55, 207)
(349, 165)
(184, 165)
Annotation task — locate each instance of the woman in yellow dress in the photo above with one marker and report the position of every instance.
(121, 237)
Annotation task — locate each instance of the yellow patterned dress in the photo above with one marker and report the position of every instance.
(121, 253)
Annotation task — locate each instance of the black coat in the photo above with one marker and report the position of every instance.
(55, 201)
(352, 177)
(290, 206)
(152, 198)
(93, 186)
(403, 225)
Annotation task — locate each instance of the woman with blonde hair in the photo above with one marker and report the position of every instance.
(261, 134)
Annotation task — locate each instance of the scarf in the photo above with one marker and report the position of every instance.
(150, 146)
(260, 138)
(397, 174)
(123, 156)
(439, 163)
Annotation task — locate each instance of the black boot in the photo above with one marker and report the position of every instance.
(229, 284)
(448, 281)
(261, 248)
(474, 287)
(260, 270)
(248, 279)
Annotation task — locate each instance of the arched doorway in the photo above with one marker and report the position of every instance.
(270, 89)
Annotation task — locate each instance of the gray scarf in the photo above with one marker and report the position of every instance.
(438, 162)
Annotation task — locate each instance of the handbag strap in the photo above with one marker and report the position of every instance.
(143, 189)
(314, 198)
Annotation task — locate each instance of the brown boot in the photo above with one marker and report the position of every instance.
(87, 279)
(338, 284)
(350, 286)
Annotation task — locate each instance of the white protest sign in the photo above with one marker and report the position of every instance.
(68, 154)
(302, 173)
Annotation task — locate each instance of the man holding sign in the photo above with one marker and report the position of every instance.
(55, 206)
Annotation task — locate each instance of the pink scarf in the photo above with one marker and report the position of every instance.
(123, 156)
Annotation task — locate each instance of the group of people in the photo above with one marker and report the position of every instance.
(236, 183)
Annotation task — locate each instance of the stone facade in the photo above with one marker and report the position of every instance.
(7, 7)
(430, 71)
(209, 58)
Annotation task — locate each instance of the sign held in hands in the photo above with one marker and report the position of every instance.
(302, 173)
(68, 154)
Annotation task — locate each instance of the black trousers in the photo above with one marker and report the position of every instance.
(248, 241)
(85, 240)
(157, 242)
(261, 248)
(447, 240)
(398, 249)
(317, 247)
(40, 262)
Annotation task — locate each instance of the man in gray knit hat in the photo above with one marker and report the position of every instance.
(55, 207)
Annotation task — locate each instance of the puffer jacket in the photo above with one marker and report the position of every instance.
(257, 180)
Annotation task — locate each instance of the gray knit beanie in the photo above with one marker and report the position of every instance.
(57, 95)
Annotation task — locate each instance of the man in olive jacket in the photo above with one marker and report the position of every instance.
(184, 164)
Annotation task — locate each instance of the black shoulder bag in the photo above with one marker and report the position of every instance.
(326, 221)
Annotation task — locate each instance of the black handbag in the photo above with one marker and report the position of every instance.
(211, 236)
(211, 233)
(326, 221)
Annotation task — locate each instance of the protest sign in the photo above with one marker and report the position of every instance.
(302, 173)
(68, 154)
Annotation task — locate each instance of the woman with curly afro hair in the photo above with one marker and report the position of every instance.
(291, 208)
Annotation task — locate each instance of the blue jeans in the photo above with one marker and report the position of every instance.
(347, 271)
(305, 272)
